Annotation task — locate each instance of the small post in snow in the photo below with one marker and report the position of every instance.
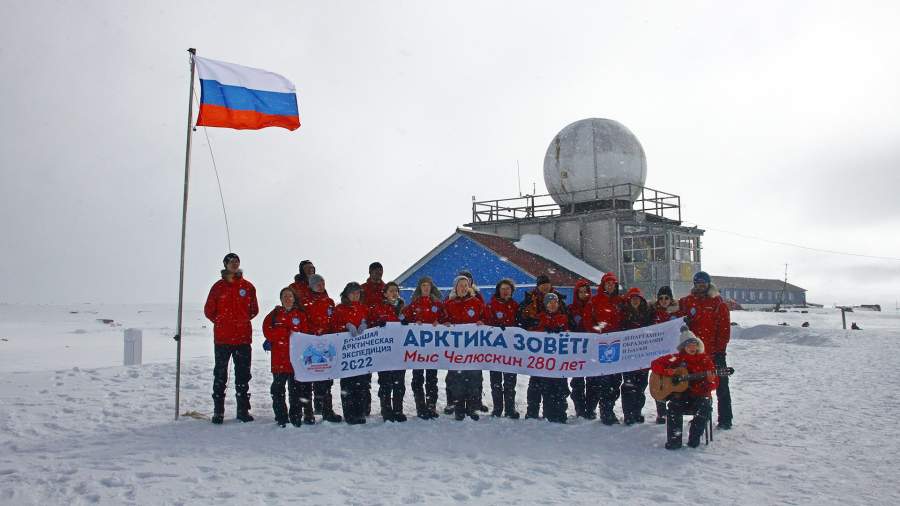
(133, 347)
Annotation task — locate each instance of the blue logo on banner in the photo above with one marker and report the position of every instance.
(243, 292)
(610, 352)
(319, 356)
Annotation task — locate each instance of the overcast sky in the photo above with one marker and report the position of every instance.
(772, 119)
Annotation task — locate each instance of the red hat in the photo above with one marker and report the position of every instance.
(634, 292)
(608, 277)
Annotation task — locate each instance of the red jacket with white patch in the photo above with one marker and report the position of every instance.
(556, 322)
(277, 327)
(348, 312)
(581, 314)
(383, 312)
(372, 293)
(424, 310)
(469, 309)
(699, 362)
(231, 306)
(501, 313)
(710, 320)
(607, 309)
(319, 309)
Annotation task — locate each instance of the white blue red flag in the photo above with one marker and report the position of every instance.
(245, 98)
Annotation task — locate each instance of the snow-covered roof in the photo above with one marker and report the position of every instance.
(541, 246)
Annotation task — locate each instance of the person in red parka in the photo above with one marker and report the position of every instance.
(501, 312)
(533, 302)
(300, 286)
(581, 319)
(553, 391)
(637, 314)
(373, 288)
(709, 318)
(350, 316)
(231, 305)
(666, 309)
(278, 326)
(391, 384)
(319, 309)
(696, 400)
(607, 313)
(425, 306)
(465, 386)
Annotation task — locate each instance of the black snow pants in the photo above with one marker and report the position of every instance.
(426, 378)
(241, 354)
(634, 386)
(283, 413)
(686, 404)
(391, 389)
(723, 393)
(503, 392)
(465, 387)
(605, 389)
(353, 397)
(578, 396)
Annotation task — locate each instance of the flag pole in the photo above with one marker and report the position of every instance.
(187, 172)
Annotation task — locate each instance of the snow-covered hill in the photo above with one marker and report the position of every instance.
(814, 423)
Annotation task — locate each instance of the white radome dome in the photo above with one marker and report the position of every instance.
(594, 153)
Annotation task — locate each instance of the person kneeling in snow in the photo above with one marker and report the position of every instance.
(696, 399)
(278, 327)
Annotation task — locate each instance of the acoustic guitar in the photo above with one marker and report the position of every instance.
(661, 387)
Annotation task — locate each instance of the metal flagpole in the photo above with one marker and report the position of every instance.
(187, 172)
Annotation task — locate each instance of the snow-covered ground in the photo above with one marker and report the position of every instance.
(814, 423)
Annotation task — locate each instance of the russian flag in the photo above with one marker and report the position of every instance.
(245, 98)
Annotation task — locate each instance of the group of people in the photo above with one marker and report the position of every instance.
(306, 307)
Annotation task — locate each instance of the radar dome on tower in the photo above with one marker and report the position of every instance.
(591, 162)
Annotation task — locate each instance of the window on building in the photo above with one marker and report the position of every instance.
(646, 248)
(790, 296)
(686, 248)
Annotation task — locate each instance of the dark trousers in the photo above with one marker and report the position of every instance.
(392, 385)
(723, 393)
(552, 392)
(503, 391)
(353, 397)
(605, 389)
(634, 384)
(465, 387)
(426, 378)
(578, 395)
(699, 407)
(241, 354)
(322, 391)
(281, 410)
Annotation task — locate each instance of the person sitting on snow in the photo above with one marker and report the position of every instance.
(696, 399)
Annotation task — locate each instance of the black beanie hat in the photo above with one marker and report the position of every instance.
(543, 278)
(375, 265)
(664, 290)
(229, 257)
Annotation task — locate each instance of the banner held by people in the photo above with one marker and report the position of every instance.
(479, 347)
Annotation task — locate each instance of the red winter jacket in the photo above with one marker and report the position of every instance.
(383, 312)
(501, 313)
(710, 320)
(664, 314)
(277, 327)
(699, 362)
(469, 309)
(607, 309)
(424, 310)
(231, 306)
(348, 312)
(301, 290)
(372, 293)
(581, 315)
(319, 309)
(556, 322)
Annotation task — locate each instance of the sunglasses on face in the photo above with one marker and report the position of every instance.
(664, 297)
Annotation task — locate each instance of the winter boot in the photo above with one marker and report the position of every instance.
(398, 409)
(509, 405)
(698, 426)
(472, 409)
(459, 411)
(660, 413)
(243, 409)
(673, 431)
(218, 410)
(328, 413)
(421, 408)
(317, 405)
(280, 410)
(367, 397)
(497, 397)
(590, 404)
(607, 417)
(309, 415)
(387, 410)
